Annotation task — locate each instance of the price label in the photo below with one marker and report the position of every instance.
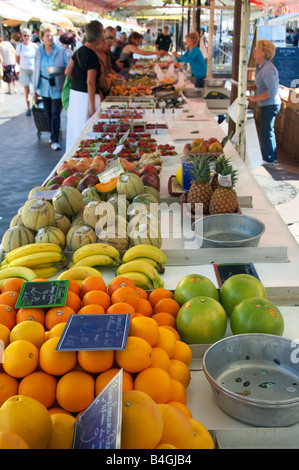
(43, 294)
(113, 169)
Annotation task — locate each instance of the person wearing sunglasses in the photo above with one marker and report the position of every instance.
(25, 57)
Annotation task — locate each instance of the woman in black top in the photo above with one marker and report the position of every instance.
(84, 69)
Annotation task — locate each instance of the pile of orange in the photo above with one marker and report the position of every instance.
(155, 363)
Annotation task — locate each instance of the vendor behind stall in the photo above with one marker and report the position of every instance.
(267, 96)
(195, 58)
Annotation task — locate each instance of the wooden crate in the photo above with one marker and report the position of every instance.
(289, 141)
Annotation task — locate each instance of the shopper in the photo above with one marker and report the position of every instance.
(267, 96)
(163, 41)
(127, 54)
(194, 57)
(25, 57)
(8, 60)
(85, 70)
(106, 80)
(48, 87)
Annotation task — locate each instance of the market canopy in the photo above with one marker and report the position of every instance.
(10, 12)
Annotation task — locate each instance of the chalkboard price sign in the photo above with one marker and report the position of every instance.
(95, 332)
(99, 427)
(43, 294)
(224, 271)
(286, 60)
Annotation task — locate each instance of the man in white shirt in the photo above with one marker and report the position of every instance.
(25, 56)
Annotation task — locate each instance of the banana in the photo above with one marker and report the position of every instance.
(141, 267)
(79, 272)
(153, 262)
(140, 280)
(30, 249)
(20, 271)
(145, 251)
(45, 273)
(97, 260)
(95, 249)
(35, 259)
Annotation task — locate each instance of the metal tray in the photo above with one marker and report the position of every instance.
(255, 378)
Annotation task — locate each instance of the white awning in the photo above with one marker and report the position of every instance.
(9, 11)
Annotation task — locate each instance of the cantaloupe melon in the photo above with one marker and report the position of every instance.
(130, 185)
(15, 237)
(68, 201)
(98, 210)
(51, 235)
(37, 213)
(80, 235)
(62, 222)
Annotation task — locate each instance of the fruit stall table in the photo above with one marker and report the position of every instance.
(275, 261)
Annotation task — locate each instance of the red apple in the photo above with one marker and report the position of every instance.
(149, 179)
(149, 169)
(71, 181)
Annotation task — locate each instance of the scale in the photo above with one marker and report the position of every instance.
(216, 95)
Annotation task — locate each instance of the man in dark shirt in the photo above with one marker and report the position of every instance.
(164, 41)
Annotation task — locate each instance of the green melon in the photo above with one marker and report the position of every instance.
(68, 201)
(15, 237)
(194, 285)
(35, 190)
(51, 235)
(129, 185)
(37, 213)
(62, 222)
(80, 235)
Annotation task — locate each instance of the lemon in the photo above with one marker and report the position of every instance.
(179, 175)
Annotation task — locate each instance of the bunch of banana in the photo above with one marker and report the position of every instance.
(147, 253)
(45, 259)
(78, 273)
(96, 254)
(145, 274)
(24, 273)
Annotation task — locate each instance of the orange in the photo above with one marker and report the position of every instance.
(142, 423)
(57, 315)
(166, 341)
(73, 301)
(155, 382)
(180, 371)
(182, 407)
(144, 307)
(164, 318)
(141, 293)
(160, 359)
(28, 418)
(174, 331)
(98, 297)
(8, 387)
(11, 440)
(40, 386)
(7, 316)
(20, 358)
(145, 328)
(105, 377)
(75, 391)
(12, 284)
(62, 431)
(125, 294)
(9, 298)
(202, 437)
(158, 294)
(93, 283)
(167, 305)
(136, 356)
(33, 314)
(91, 309)
(74, 286)
(32, 331)
(4, 336)
(183, 352)
(56, 330)
(178, 392)
(56, 409)
(177, 427)
(118, 282)
(120, 307)
(56, 362)
(96, 361)
(166, 446)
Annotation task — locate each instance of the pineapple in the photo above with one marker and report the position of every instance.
(220, 166)
(224, 199)
(201, 189)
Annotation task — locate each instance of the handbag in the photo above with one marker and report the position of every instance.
(65, 93)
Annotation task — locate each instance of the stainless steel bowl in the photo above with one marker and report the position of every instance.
(228, 230)
(215, 82)
(55, 71)
(193, 92)
(255, 378)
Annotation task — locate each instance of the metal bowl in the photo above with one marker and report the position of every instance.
(215, 82)
(255, 378)
(228, 230)
(193, 92)
(55, 71)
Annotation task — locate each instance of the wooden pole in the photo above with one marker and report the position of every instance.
(211, 40)
(242, 79)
